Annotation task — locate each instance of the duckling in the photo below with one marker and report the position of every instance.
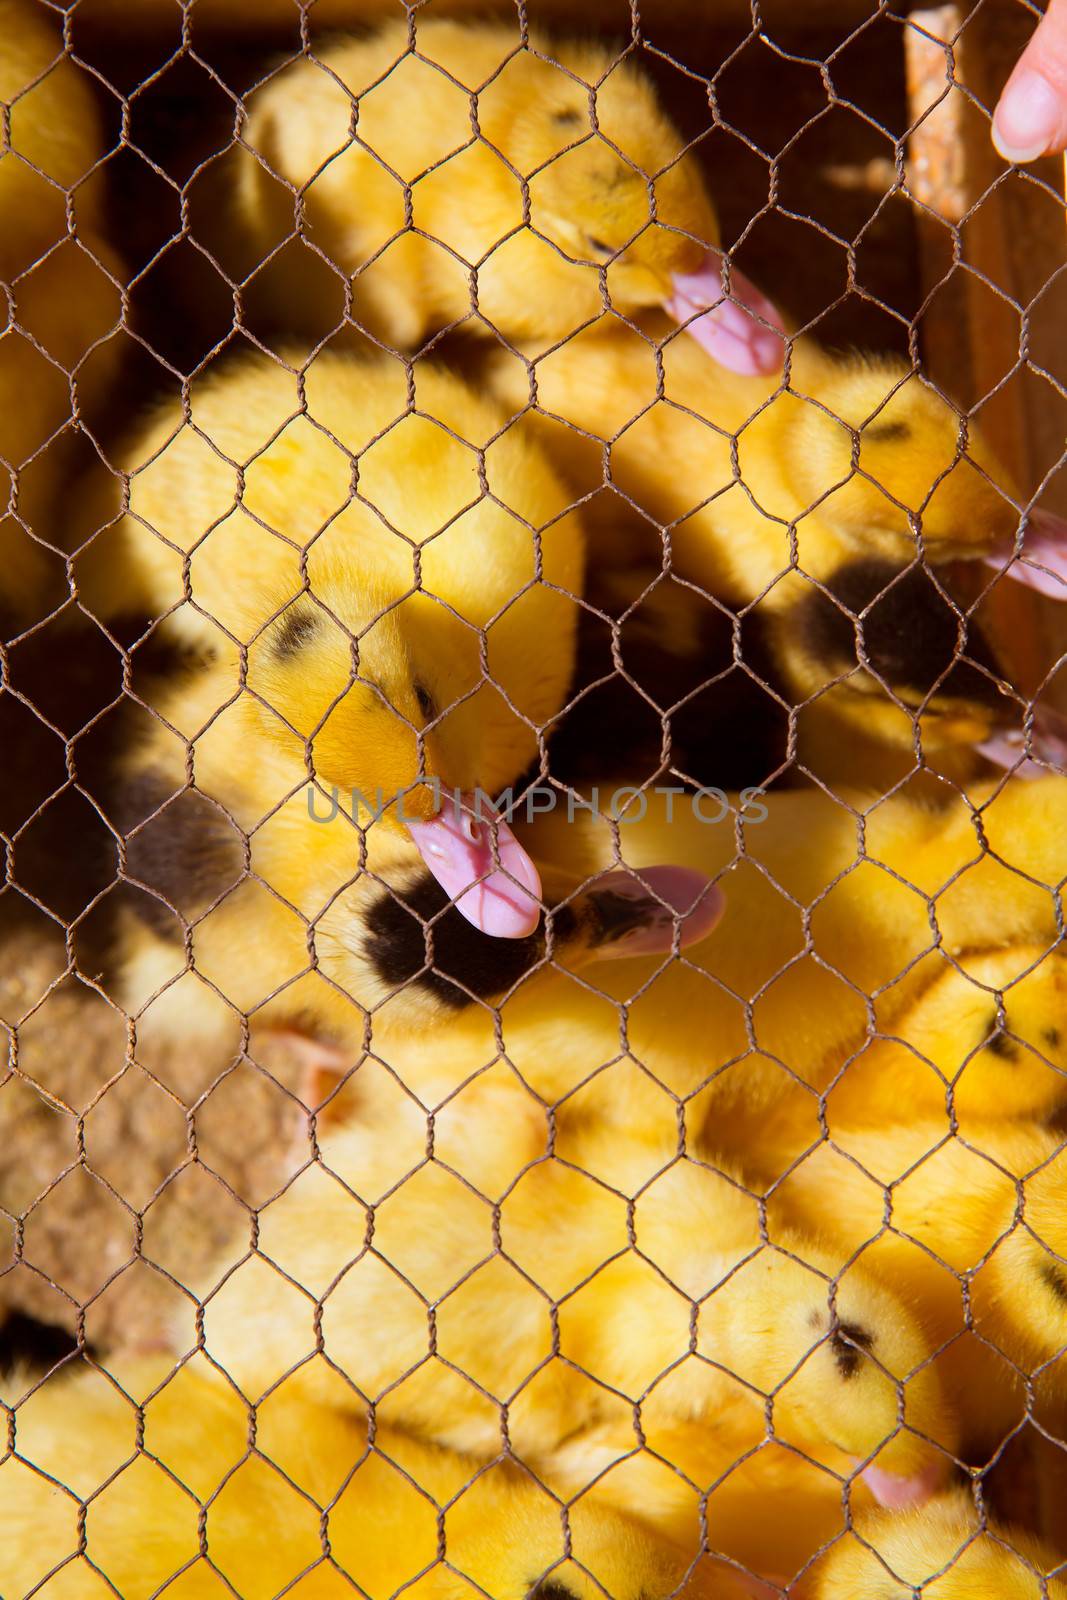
(61, 298)
(566, 1323)
(346, 1503)
(974, 1234)
(59, 352)
(411, 156)
(55, 141)
(779, 992)
(724, 1484)
(992, 1036)
(944, 1549)
(795, 444)
(364, 673)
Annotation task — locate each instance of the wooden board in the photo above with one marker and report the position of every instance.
(993, 245)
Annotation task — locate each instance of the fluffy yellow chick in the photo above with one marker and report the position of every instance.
(55, 354)
(954, 1040)
(381, 1245)
(56, 138)
(366, 669)
(471, 124)
(776, 993)
(824, 907)
(320, 1502)
(61, 297)
(945, 1550)
(726, 1484)
(971, 1231)
(834, 475)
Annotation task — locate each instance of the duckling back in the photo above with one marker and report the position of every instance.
(348, 136)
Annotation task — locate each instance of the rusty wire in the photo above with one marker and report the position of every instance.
(205, 1145)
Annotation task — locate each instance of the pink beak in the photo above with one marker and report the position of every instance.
(1048, 746)
(741, 330)
(1042, 562)
(639, 910)
(481, 865)
(897, 1493)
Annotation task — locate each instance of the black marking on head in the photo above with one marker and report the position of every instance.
(27, 1342)
(425, 701)
(910, 633)
(295, 627)
(485, 966)
(613, 915)
(568, 117)
(1001, 1046)
(1055, 1277)
(847, 1342)
(188, 854)
(552, 1589)
(1052, 1038)
(887, 432)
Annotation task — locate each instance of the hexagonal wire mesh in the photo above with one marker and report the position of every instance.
(364, 1241)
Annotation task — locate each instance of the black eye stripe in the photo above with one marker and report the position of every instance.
(886, 432)
(294, 629)
(848, 1341)
(1055, 1277)
(1000, 1045)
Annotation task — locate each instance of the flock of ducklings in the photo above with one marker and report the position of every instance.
(702, 1180)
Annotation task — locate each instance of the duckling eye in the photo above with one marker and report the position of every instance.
(887, 432)
(425, 701)
(569, 117)
(551, 1590)
(848, 1341)
(1001, 1046)
(1056, 1279)
(294, 629)
(599, 248)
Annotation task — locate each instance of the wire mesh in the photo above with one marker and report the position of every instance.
(364, 1240)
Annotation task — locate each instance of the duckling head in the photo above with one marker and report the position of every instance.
(855, 1376)
(1020, 1294)
(890, 652)
(615, 188)
(388, 703)
(942, 1547)
(508, 1538)
(880, 452)
(1011, 1068)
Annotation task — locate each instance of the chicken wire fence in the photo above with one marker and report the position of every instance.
(370, 1230)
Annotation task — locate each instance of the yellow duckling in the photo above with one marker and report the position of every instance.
(972, 1231)
(367, 669)
(55, 141)
(380, 1244)
(343, 1503)
(825, 906)
(61, 297)
(470, 122)
(55, 354)
(836, 476)
(944, 1550)
(985, 1040)
(999, 1052)
(724, 1484)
